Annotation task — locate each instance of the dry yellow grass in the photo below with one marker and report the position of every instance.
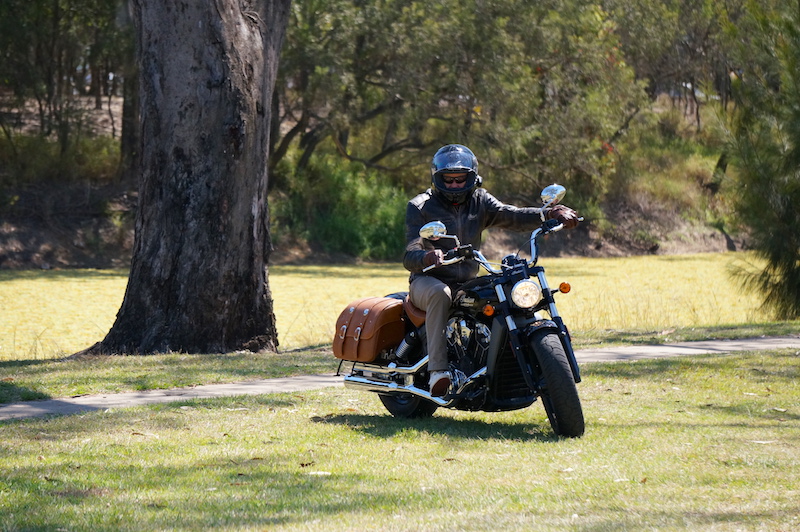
(51, 313)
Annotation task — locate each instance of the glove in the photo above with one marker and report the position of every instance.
(564, 215)
(433, 258)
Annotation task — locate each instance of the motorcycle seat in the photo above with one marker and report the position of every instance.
(416, 315)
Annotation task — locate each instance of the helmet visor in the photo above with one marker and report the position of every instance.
(453, 162)
(450, 178)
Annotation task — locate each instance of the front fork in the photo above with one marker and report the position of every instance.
(563, 332)
(566, 341)
(517, 338)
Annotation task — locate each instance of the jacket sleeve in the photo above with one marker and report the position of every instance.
(504, 216)
(415, 247)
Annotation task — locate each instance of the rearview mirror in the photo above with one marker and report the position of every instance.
(553, 194)
(433, 230)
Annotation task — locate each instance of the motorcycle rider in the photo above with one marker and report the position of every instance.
(456, 199)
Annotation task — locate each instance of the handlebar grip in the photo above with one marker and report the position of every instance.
(445, 262)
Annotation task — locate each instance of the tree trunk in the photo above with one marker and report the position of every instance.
(199, 279)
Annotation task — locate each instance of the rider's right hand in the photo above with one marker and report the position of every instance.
(433, 258)
(564, 215)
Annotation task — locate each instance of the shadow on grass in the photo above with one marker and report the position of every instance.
(11, 393)
(248, 494)
(773, 366)
(61, 275)
(776, 415)
(24, 363)
(465, 429)
(684, 334)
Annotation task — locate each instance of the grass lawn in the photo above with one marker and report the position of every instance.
(49, 314)
(690, 443)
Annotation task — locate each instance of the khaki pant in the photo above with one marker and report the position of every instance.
(434, 297)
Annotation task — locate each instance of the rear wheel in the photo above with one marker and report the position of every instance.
(407, 405)
(559, 393)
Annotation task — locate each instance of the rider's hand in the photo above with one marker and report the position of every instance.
(564, 215)
(433, 258)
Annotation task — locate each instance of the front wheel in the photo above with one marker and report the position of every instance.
(559, 392)
(408, 406)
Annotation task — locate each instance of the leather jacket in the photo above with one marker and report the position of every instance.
(465, 220)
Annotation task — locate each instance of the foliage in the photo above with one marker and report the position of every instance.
(54, 53)
(675, 45)
(534, 88)
(542, 91)
(344, 208)
(36, 159)
(666, 162)
(765, 141)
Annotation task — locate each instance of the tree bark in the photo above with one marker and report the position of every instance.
(199, 274)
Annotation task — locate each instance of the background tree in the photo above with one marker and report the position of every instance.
(54, 55)
(198, 280)
(537, 89)
(130, 135)
(677, 46)
(766, 148)
(55, 50)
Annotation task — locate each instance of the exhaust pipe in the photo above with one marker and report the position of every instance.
(357, 382)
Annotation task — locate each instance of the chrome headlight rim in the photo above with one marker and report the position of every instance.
(526, 293)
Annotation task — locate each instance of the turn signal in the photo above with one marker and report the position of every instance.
(488, 310)
(564, 288)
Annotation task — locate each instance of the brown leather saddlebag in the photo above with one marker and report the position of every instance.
(367, 327)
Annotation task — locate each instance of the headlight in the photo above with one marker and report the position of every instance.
(526, 294)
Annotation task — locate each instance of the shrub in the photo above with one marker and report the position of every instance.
(28, 159)
(343, 208)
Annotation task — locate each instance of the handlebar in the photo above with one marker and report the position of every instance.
(459, 253)
(453, 256)
(445, 262)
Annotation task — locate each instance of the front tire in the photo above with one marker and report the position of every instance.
(408, 406)
(559, 392)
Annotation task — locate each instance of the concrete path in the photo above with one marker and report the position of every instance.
(72, 405)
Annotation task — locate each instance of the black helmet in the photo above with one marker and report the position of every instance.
(455, 158)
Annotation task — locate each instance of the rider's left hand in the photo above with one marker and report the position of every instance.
(433, 258)
(564, 215)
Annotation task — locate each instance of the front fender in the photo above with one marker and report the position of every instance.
(538, 325)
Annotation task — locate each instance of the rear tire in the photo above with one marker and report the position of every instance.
(559, 392)
(408, 406)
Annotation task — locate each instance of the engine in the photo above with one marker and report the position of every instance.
(467, 343)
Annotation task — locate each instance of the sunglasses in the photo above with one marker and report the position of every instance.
(450, 179)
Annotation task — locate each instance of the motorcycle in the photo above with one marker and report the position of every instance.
(507, 344)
